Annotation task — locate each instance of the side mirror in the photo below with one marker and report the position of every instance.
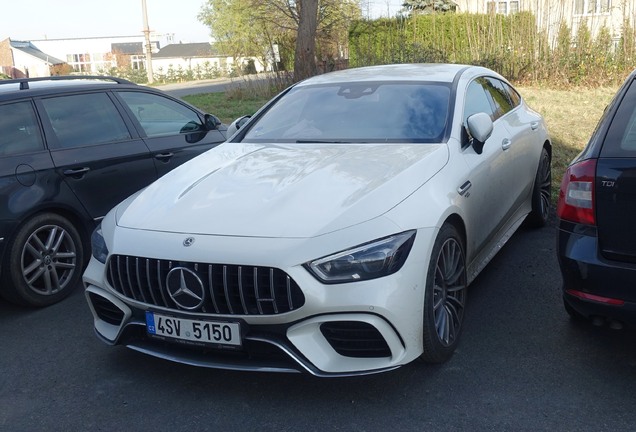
(211, 122)
(237, 124)
(480, 128)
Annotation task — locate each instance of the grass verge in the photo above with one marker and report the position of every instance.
(571, 116)
(226, 108)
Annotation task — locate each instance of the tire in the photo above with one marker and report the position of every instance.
(541, 193)
(445, 296)
(44, 262)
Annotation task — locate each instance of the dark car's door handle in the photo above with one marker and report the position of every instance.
(77, 172)
(164, 156)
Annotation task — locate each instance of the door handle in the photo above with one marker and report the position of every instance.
(464, 188)
(506, 143)
(164, 156)
(534, 125)
(77, 172)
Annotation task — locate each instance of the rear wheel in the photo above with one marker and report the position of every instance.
(541, 193)
(445, 296)
(44, 261)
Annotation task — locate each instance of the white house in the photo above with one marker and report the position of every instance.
(20, 59)
(192, 55)
(98, 54)
(596, 14)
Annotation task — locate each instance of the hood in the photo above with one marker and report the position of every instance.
(294, 191)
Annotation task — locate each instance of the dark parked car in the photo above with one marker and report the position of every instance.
(596, 210)
(70, 149)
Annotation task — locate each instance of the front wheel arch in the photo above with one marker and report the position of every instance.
(444, 296)
(541, 198)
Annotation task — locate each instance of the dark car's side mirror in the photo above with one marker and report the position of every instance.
(480, 128)
(237, 124)
(212, 122)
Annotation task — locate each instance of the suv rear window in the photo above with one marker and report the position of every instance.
(19, 131)
(621, 136)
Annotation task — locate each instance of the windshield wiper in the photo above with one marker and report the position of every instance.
(326, 142)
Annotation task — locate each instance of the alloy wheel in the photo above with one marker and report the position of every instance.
(49, 260)
(449, 292)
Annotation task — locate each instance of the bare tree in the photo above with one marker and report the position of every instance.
(305, 57)
(307, 28)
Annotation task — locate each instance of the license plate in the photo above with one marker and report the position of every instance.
(211, 332)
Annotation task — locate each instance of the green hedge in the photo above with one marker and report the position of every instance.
(512, 45)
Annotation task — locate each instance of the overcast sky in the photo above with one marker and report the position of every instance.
(47, 19)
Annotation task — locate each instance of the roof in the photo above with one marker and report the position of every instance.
(394, 72)
(28, 48)
(128, 48)
(187, 50)
(56, 85)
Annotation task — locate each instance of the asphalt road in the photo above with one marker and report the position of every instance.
(208, 86)
(196, 87)
(521, 366)
(211, 85)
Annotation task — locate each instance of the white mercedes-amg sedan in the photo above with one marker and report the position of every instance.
(335, 233)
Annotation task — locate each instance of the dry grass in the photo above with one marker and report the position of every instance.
(571, 116)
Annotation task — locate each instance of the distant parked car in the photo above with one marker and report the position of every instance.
(70, 149)
(335, 233)
(597, 210)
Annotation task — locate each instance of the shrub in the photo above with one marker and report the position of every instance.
(511, 45)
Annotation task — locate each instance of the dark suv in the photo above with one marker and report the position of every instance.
(597, 209)
(70, 149)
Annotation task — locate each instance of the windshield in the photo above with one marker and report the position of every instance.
(356, 112)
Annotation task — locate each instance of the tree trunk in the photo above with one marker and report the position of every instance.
(305, 59)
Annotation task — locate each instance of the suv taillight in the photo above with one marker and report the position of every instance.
(576, 197)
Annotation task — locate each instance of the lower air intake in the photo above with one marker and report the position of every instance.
(355, 339)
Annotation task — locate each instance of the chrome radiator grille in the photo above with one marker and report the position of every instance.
(202, 287)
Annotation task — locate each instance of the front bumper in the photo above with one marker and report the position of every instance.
(265, 348)
(593, 285)
(340, 330)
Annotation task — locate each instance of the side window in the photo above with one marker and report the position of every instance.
(500, 96)
(19, 131)
(85, 119)
(628, 142)
(161, 116)
(477, 100)
(621, 136)
(515, 98)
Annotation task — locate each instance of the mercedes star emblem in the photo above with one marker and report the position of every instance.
(188, 241)
(185, 288)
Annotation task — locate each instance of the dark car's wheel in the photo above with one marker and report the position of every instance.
(44, 261)
(445, 297)
(541, 193)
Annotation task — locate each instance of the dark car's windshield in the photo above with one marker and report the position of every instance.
(356, 112)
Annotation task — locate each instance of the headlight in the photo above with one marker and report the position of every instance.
(368, 261)
(98, 245)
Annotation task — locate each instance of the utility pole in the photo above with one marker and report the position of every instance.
(148, 44)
